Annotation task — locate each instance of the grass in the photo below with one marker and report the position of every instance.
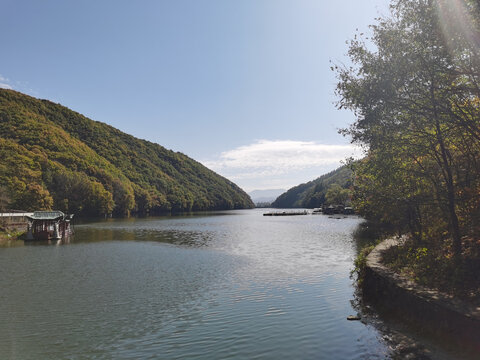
(429, 263)
(366, 237)
(9, 238)
(432, 264)
(360, 263)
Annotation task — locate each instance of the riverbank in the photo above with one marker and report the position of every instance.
(10, 238)
(440, 314)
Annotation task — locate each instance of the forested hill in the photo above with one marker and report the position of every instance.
(53, 157)
(312, 194)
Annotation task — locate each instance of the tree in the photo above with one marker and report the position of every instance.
(123, 197)
(75, 192)
(337, 195)
(34, 197)
(416, 98)
(5, 198)
(4, 202)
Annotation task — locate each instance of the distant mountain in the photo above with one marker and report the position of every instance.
(265, 196)
(53, 157)
(312, 194)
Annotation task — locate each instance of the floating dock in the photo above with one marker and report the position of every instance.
(286, 213)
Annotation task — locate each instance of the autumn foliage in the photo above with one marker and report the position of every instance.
(53, 157)
(416, 96)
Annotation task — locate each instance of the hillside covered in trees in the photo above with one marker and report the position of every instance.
(53, 157)
(313, 193)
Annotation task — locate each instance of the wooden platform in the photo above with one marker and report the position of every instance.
(286, 213)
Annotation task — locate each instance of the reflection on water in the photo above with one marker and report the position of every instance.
(194, 287)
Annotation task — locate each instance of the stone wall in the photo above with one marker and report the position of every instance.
(436, 312)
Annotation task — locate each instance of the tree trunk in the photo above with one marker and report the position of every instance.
(448, 176)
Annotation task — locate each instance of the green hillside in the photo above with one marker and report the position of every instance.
(53, 157)
(312, 194)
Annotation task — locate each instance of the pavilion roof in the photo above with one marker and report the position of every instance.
(47, 215)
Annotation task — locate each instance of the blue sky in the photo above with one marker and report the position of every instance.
(243, 86)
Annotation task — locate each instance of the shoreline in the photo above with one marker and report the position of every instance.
(8, 239)
(443, 315)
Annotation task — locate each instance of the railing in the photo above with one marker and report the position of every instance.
(15, 214)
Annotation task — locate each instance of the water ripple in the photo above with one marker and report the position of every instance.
(200, 287)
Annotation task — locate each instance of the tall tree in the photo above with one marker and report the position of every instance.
(416, 99)
(5, 198)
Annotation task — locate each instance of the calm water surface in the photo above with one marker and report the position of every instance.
(232, 285)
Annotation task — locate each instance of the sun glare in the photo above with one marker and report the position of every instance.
(456, 21)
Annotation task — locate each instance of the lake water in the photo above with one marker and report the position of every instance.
(227, 285)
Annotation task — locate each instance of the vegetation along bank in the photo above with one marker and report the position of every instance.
(416, 97)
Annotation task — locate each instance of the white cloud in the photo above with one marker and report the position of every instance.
(282, 155)
(279, 162)
(4, 83)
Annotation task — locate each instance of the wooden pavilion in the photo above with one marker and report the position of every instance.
(49, 225)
